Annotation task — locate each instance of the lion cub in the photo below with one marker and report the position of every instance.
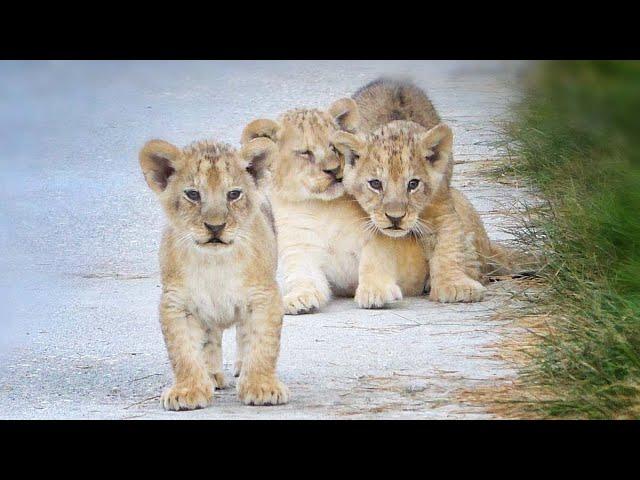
(399, 170)
(321, 230)
(218, 265)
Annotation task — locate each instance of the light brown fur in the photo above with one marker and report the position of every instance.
(207, 287)
(321, 230)
(385, 100)
(411, 163)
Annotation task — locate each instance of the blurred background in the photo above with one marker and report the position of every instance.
(575, 137)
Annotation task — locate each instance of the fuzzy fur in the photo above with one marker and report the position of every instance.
(207, 287)
(321, 231)
(402, 140)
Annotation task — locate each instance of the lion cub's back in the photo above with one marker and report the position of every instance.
(385, 100)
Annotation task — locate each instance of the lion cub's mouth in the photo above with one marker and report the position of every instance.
(394, 231)
(215, 242)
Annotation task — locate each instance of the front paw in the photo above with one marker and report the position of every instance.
(263, 391)
(377, 296)
(462, 289)
(303, 301)
(181, 397)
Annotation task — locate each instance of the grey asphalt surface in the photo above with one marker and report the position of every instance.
(79, 233)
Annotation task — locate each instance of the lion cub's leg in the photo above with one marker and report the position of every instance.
(306, 288)
(258, 383)
(453, 276)
(184, 336)
(241, 348)
(377, 274)
(212, 352)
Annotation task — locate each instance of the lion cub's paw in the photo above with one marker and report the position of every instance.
(377, 296)
(304, 301)
(464, 289)
(265, 391)
(237, 368)
(180, 397)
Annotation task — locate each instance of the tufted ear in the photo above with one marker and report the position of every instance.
(258, 154)
(346, 114)
(349, 146)
(158, 160)
(260, 128)
(437, 146)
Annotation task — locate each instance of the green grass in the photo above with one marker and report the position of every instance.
(576, 137)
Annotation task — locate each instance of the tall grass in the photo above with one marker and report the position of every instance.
(576, 137)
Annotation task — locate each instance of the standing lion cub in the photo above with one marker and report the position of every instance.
(218, 265)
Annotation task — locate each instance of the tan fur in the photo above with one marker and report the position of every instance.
(320, 230)
(385, 100)
(397, 152)
(207, 287)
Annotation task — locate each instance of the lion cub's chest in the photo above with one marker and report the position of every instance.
(214, 291)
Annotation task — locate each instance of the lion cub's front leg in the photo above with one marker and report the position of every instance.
(453, 275)
(212, 352)
(377, 275)
(306, 289)
(258, 383)
(184, 336)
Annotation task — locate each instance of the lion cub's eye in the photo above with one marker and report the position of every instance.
(375, 184)
(413, 184)
(305, 153)
(192, 194)
(234, 195)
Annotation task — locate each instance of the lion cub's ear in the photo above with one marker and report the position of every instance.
(257, 154)
(346, 114)
(349, 146)
(158, 160)
(260, 128)
(437, 146)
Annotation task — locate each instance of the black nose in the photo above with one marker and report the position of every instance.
(395, 221)
(333, 172)
(215, 229)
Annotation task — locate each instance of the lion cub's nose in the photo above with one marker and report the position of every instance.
(395, 221)
(215, 229)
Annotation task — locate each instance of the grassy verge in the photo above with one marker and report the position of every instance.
(576, 138)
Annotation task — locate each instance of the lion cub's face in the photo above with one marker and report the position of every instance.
(208, 190)
(307, 165)
(396, 171)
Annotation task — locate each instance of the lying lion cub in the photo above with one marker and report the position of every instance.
(399, 170)
(321, 231)
(218, 264)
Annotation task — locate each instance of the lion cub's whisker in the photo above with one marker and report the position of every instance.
(218, 265)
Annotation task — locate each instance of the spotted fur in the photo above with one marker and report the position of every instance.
(218, 266)
(403, 143)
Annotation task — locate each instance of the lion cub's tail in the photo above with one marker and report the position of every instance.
(505, 261)
(387, 99)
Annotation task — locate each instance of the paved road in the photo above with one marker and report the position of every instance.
(79, 232)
